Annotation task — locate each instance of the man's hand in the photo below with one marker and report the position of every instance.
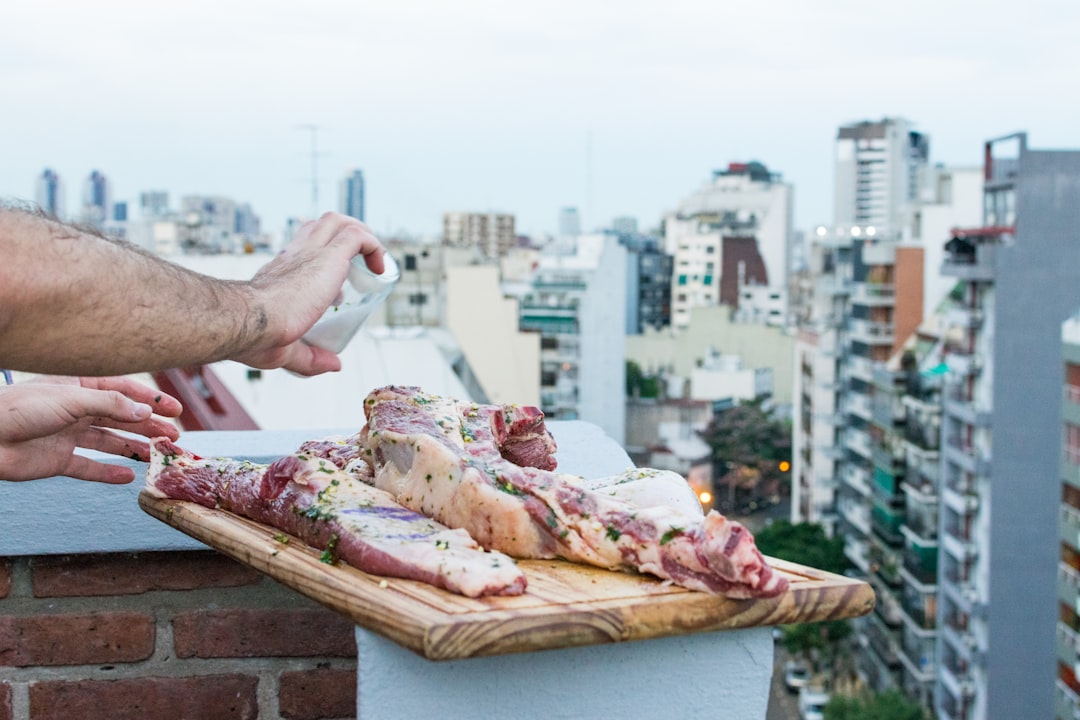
(297, 287)
(43, 421)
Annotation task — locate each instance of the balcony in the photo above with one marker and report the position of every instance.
(860, 367)
(1069, 524)
(1068, 648)
(962, 549)
(856, 514)
(874, 294)
(965, 455)
(858, 478)
(920, 562)
(855, 551)
(957, 405)
(871, 333)
(1070, 470)
(962, 503)
(886, 523)
(858, 442)
(858, 404)
(1067, 703)
(971, 262)
(963, 364)
(881, 640)
(964, 317)
(1069, 586)
(832, 286)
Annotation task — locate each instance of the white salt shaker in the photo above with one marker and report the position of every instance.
(362, 292)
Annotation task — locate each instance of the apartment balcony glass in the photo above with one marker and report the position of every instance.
(870, 332)
(858, 404)
(963, 364)
(1068, 645)
(858, 477)
(963, 503)
(874, 294)
(858, 441)
(1067, 706)
(920, 514)
(886, 522)
(855, 549)
(920, 609)
(921, 561)
(1069, 586)
(882, 641)
(959, 405)
(888, 455)
(918, 646)
(1069, 524)
(1070, 469)
(856, 514)
(967, 456)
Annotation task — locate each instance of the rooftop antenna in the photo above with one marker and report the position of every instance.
(314, 130)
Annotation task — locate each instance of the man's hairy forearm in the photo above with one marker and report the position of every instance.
(75, 303)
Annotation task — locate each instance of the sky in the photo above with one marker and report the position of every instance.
(616, 108)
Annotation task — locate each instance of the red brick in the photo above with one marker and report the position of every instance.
(207, 697)
(263, 633)
(110, 637)
(5, 577)
(317, 694)
(134, 573)
(5, 702)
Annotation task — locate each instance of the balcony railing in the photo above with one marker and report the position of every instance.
(1069, 523)
(871, 333)
(1068, 585)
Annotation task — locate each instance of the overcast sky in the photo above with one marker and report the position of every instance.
(618, 108)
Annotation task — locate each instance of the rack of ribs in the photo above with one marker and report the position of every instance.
(458, 462)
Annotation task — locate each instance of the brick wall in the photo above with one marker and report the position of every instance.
(166, 635)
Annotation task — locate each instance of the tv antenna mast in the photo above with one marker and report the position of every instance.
(314, 130)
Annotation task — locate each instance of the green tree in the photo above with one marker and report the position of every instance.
(807, 544)
(639, 384)
(888, 705)
(750, 449)
(803, 543)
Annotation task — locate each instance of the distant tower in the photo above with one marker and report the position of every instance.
(96, 199)
(879, 172)
(352, 195)
(569, 222)
(50, 192)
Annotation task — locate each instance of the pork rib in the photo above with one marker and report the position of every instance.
(446, 459)
(307, 495)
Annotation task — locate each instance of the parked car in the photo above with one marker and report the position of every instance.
(812, 704)
(796, 675)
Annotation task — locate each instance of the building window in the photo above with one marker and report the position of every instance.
(682, 279)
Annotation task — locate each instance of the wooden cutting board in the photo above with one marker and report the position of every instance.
(565, 605)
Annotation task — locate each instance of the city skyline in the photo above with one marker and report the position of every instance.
(473, 108)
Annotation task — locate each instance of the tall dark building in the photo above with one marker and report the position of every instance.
(50, 192)
(352, 195)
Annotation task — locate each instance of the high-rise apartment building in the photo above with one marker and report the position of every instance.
(351, 192)
(49, 193)
(734, 232)
(575, 302)
(1067, 705)
(1001, 467)
(648, 283)
(96, 200)
(569, 222)
(879, 174)
(491, 234)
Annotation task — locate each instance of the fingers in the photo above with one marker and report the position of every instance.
(162, 403)
(308, 360)
(340, 233)
(83, 468)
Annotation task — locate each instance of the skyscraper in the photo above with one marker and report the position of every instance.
(352, 195)
(96, 199)
(50, 192)
(880, 170)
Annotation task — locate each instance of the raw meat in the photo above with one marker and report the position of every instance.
(447, 459)
(305, 494)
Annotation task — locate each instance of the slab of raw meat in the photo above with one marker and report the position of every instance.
(306, 495)
(446, 459)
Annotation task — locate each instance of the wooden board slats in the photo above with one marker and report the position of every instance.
(566, 604)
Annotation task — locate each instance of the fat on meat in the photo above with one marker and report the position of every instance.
(307, 495)
(447, 459)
